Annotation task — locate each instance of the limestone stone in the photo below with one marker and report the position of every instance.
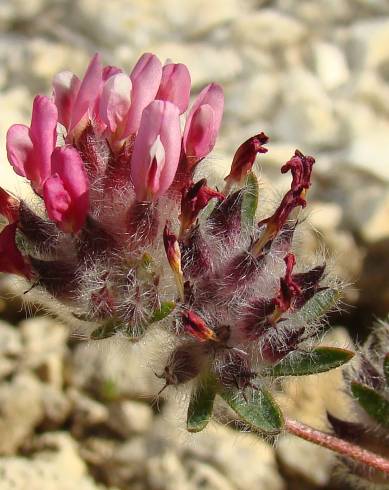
(129, 417)
(330, 65)
(368, 40)
(268, 29)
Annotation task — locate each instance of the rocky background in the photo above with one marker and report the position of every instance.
(312, 75)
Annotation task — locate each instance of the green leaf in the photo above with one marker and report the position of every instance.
(319, 305)
(201, 403)
(372, 402)
(163, 311)
(302, 363)
(386, 368)
(250, 200)
(104, 331)
(259, 411)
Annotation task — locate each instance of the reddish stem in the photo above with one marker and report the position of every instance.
(340, 446)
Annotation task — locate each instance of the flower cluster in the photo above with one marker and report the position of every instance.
(124, 235)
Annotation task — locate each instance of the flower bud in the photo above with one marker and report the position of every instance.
(66, 192)
(11, 260)
(29, 149)
(173, 254)
(195, 326)
(203, 123)
(156, 150)
(9, 206)
(175, 85)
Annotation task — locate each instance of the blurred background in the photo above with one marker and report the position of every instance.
(313, 75)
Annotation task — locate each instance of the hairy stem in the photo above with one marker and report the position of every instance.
(337, 445)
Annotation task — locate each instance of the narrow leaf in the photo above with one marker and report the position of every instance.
(163, 311)
(259, 411)
(386, 368)
(372, 402)
(250, 200)
(319, 305)
(303, 363)
(104, 331)
(201, 403)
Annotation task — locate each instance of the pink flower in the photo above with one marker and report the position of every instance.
(29, 148)
(11, 260)
(76, 99)
(115, 103)
(175, 85)
(203, 122)
(156, 150)
(145, 77)
(66, 192)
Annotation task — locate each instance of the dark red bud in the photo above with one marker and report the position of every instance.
(195, 326)
(255, 320)
(309, 283)
(301, 168)
(244, 157)
(234, 371)
(275, 348)
(196, 257)
(225, 220)
(38, 231)
(195, 198)
(288, 288)
(11, 260)
(9, 206)
(58, 277)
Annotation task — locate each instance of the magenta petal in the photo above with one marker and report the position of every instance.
(66, 192)
(43, 134)
(29, 150)
(88, 92)
(109, 71)
(66, 86)
(19, 147)
(156, 150)
(212, 96)
(11, 260)
(115, 100)
(201, 137)
(145, 78)
(175, 85)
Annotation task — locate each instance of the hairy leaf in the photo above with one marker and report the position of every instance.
(201, 403)
(250, 200)
(163, 311)
(372, 402)
(259, 411)
(319, 305)
(303, 363)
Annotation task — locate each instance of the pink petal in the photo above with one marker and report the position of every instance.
(211, 95)
(66, 192)
(201, 137)
(109, 71)
(175, 85)
(156, 150)
(19, 148)
(66, 86)
(145, 78)
(43, 134)
(115, 100)
(29, 150)
(11, 260)
(88, 92)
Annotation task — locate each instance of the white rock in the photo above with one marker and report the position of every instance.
(368, 135)
(56, 406)
(21, 411)
(268, 28)
(368, 41)
(86, 411)
(187, 18)
(44, 342)
(206, 63)
(166, 472)
(57, 466)
(307, 114)
(129, 417)
(10, 343)
(252, 98)
(203, 475)
(306, 460)
(330, 65)
(369, 87)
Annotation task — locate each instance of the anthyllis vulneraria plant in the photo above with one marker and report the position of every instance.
(126, 238)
